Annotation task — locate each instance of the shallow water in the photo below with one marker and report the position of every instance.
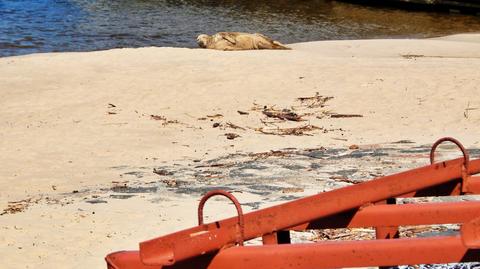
(29, 26)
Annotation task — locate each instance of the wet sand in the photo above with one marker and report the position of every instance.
(95, 143)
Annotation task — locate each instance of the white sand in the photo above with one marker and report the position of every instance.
(56, 134)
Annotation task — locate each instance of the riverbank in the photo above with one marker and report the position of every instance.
(90, 138)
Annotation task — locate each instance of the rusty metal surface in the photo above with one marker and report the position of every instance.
(367, 204)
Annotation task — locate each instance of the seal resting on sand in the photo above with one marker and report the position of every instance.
(238, 41)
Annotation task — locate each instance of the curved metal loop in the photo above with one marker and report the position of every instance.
(466, 157)
(234, 200)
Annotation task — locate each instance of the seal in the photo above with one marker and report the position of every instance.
(238, 41)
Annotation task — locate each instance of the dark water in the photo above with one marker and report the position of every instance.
(29, 26)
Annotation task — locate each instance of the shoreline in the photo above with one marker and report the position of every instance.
(80, 127)
(466, 37)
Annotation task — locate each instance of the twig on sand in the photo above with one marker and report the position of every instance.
(233, 126)
(346, 180)
(284, 114)
(216, 165)
(467, 110)
(297, 131)
(337, 115)
(272, 153)
(157, 117)
(164, 120)
(314, 101)
(215, 116)
(292, 190)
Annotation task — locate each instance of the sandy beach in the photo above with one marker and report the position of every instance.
(101, 150)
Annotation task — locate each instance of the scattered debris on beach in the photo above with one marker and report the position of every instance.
(275, 121)
(369, 234)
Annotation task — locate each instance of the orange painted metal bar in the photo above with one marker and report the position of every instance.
(337, 254)
(131, 260)
(206, 238)
(398, 215)
(329, 254)
(473, 185)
